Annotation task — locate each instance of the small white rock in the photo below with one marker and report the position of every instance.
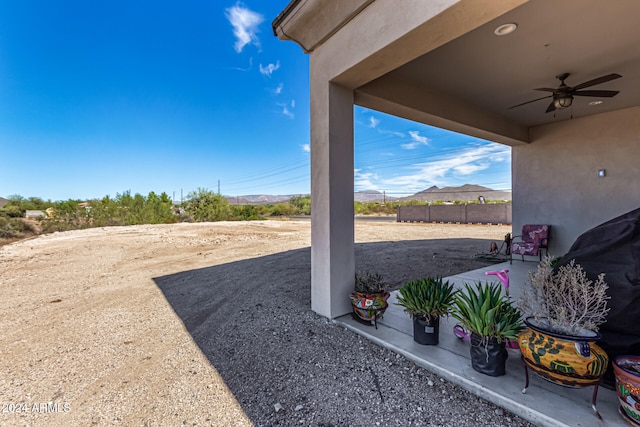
(500, 412)
(298, 408)
(430, 383)
(278, 407)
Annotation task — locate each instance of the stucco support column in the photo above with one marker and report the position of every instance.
(332, 233)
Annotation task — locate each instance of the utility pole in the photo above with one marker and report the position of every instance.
(218, 187)
(384, 197)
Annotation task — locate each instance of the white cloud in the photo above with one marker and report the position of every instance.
(306, 148)
(363, 180)
(245, 69)
(245, 24)
(416, 141)
(269, 69)
(391, 132)
(373, 122)
(461, 163)
(287, 112)
(287, 108)
(278, 90)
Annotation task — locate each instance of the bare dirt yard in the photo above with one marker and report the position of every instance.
(210, 324)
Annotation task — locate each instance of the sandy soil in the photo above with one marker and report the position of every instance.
(148, 325)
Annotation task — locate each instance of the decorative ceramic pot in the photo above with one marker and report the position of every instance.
(369, 307)
(571, 361)
(627, 372)
(426, 331)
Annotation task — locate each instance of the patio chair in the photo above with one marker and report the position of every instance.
(533, 239)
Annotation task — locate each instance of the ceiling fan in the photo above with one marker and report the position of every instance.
(563, 95)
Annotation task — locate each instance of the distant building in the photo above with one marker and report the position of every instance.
(34, 214)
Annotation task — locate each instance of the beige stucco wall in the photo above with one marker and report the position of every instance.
(555, 178)
(382, 37)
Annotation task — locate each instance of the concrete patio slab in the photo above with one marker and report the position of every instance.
(544, 404)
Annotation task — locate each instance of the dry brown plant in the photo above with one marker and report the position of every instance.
(565, 299)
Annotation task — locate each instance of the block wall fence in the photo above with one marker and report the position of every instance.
(464, 214)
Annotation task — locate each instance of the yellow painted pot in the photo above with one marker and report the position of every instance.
(572, 361)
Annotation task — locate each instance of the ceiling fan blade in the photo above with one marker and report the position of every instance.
(597, 81)
(529, 102)
(597, 93)
(546, 89)
(551, 107)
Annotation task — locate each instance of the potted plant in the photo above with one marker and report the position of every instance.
(564, 309)
(369, 301)
(492, 319)
(426, 300)
(627, 372)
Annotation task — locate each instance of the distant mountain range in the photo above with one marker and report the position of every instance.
(3, 201)
(259, 199)
(467, 193)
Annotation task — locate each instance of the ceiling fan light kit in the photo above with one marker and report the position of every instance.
(562, 101)
(562, 96)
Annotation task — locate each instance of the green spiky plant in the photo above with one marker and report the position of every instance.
(484, 310)
(370, 283)
(427, 297)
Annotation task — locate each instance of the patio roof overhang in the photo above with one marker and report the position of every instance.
(453, 71)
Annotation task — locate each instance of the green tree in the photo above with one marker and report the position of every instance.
(205, 205)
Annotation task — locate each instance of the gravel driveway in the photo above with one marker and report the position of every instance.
(209, 324)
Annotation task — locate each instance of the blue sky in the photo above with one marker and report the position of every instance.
(102, 97)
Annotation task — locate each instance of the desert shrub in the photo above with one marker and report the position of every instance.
(14, 228)
(205, 205)
(283, 209)
(302, 204)
(245, 213)
(371, 208)
(125, 209)
(12, 211)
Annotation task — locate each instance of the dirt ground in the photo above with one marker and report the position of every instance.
(149, 325)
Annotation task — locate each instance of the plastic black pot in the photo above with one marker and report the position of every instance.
(426, 332)
(488, 357)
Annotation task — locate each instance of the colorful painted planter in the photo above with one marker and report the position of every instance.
(571, 361)
(627, 372)
(369, 307)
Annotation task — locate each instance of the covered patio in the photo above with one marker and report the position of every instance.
(489, 70)
(451, 64)
(544, 404)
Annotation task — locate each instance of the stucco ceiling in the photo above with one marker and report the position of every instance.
(587, 38)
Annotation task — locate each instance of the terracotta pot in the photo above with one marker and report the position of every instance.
(627, 372)
(572, 361)
(369, 307)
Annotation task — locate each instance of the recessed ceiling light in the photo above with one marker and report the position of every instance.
(505, 29)
(596, 103)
